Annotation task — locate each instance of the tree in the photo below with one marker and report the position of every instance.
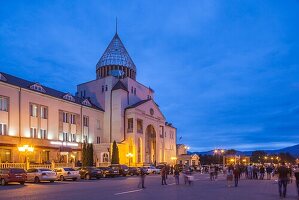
(90, 154)
(84, 155)
(115, 154)
(258, 156)
(231, 152)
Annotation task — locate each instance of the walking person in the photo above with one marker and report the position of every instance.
(177, 176)
(296, 174)
(262, 172)
(142, 178)
(163, 175)
(282, 180)
(236, 175)
(229, 176)
(269, 170)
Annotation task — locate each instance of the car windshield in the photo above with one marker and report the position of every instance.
(17, 171)
(45, 170)
(114, 168)
(68, 169)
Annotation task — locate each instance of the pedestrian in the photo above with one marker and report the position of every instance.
(216, 172)
(236, 175)
(177, 176)
(211, 171)
(296, 174)
(262, 172)
(282, 180)
(269, 170)
(229, 176)
(249, 170)
(163, 175)
(142, 178)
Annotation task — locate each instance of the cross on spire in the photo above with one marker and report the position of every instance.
(116, 25)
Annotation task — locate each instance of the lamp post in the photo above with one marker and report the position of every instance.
(174, 160)
(26, 149)
(129, 155)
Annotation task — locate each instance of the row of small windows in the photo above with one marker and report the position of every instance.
(3, 103)
(38, 110)
(69, 97)
(66, 117)
(133, 90)
(37, 87)
(3, 129)
(131, 125)
(68, 137)
(41, 135)
(104, 88)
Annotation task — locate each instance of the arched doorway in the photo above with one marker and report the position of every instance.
(150, 145)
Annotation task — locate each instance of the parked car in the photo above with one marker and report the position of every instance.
(90, 172)
(134, 171)
(12, 175)
(66, 173)
(37, 175)
(153, 170)
(123, 169)
(109, 172)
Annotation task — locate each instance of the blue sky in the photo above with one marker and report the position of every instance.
(225, 73)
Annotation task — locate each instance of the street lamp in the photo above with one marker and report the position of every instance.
(174, 159)
(26, 149)
(129, 155)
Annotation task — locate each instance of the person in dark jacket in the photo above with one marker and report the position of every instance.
(269, 171)
(142, 178)
(163, 175)
(177, 176)
(262, 172)
(296, 174)
(282, 179)
(236, 175)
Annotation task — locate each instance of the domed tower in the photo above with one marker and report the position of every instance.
(116, 61)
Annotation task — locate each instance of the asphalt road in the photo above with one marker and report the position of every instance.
(126, 188)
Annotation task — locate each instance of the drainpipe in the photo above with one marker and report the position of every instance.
(20, 90)
(111, 115)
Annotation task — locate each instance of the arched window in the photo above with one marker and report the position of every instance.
(105, 157)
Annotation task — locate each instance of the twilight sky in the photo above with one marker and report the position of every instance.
(225, 73)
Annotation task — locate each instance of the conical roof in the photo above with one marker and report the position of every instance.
(116, 54)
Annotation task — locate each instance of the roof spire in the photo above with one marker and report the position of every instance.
(116, 26)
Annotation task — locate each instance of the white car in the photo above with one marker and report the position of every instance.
(37, 175)
(65, 173)
(153, 170)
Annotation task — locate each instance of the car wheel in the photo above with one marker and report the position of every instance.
(61, 178)
(87, 177)
(154, 172)
(3, 182)
(22, 182)
(36, 180)
(74, 179)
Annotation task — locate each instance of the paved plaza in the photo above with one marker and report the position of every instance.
(126, 188)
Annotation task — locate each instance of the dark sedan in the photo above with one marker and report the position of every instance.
(88, 173)
(134, 171)
(109, 172)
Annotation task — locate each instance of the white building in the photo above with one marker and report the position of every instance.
(113, 107)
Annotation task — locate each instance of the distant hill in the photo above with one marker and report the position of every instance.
(293, 150)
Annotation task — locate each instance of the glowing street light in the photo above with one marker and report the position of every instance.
(129, 155)
(26, 149)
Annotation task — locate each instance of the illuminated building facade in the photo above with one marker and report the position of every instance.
(113, 107)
